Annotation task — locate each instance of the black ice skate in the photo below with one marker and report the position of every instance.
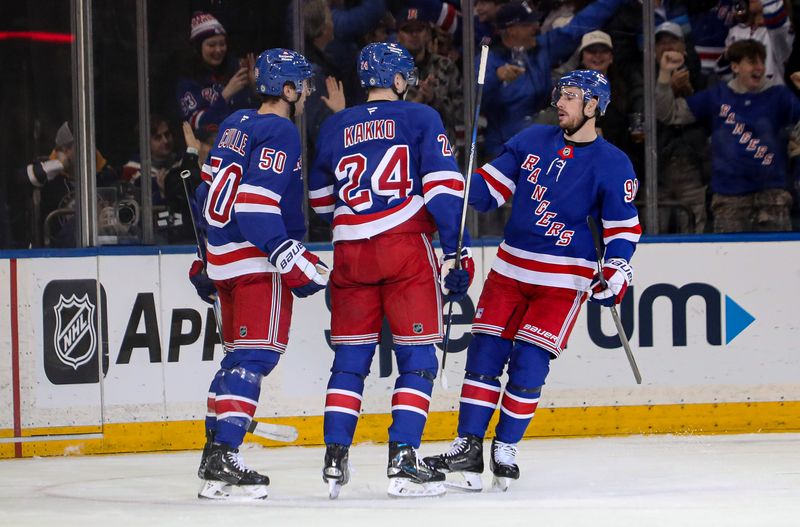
(410, 477)
(503, 464)
(226, 476)
(464, 460)
(201, 470)
(336, 472)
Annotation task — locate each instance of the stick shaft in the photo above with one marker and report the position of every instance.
(467, 183)
(598, 247)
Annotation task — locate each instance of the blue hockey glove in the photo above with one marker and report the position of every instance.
(202, 283)
(455, 282)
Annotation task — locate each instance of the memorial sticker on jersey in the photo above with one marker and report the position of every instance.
(71, 333)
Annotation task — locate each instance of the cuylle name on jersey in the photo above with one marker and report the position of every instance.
(233, 139)
(369, 130)
(546, 217)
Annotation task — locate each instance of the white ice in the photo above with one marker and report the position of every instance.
(642, 481)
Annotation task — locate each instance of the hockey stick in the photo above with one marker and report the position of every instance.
(598, 247)
(284, 433)
(468, 180)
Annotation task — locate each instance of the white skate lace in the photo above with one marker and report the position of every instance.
(505, 453)
(238, 462)
(456, 447)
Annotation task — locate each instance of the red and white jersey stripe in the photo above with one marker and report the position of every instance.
(518, 407)
(629, 229)
(442, 182)
(236, 259)
(411, 400)
(544, 269)
(234, 406)
(252, 198)
(480, 393)
(348, 225)
(323, 200)
(344, 401)
(500, 187)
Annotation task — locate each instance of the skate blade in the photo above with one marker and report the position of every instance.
(219, 490)
(334, 487)
(464, 481)
(501, 484)
(405, 488)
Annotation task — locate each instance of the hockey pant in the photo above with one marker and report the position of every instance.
(233, 395)
(411, 398)
(528, 366)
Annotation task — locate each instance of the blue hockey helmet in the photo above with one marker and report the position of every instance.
(379, 61)
(593, 83)
(275, 67)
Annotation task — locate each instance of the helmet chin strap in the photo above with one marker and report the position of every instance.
(291, 103)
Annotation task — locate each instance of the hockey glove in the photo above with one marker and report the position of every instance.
(202, 283)
(301, 270)
(618, 275)
(455, 282)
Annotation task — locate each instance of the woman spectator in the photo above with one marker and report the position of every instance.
(216, 83)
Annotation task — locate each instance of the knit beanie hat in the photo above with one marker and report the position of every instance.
(204, 25)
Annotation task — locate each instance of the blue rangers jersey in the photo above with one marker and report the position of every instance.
(254, 192)
(555, 186)
(387, 166)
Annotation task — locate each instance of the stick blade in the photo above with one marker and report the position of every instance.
(275, 432)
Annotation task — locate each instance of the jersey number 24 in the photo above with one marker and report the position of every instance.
(390, 178)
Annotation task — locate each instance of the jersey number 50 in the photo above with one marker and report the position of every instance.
(222, 193)
(390, 178)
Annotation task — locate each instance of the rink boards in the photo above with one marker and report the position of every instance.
(110, 350)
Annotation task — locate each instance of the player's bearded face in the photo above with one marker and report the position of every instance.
(570, 107)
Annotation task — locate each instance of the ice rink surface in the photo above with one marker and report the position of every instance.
(642, 481)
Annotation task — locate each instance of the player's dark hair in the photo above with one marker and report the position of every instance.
(746, 49)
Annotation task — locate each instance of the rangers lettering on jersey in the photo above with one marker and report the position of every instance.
(368, 131)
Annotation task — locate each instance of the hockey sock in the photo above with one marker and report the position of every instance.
(479, 396)
(211, 412)
(411, 399)
(486, 358)
(516, 411)
(342, 407)
(238, 392)
(527, 372)
(410, 402)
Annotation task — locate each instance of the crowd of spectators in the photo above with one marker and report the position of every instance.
(726, 104)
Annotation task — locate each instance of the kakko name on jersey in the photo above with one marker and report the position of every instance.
(255, 207)
(554, 186)
(389, 175)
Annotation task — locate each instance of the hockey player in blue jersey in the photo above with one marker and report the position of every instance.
(386, 178)
(253, 210)
(544, 269)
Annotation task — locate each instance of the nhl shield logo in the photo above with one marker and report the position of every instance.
(417, 328)
(74, 338)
